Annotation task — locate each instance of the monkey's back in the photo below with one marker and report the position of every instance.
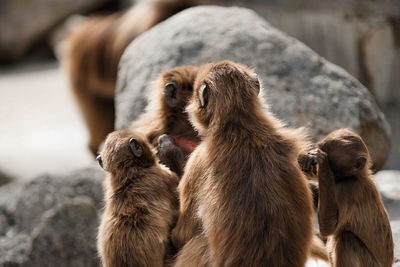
(256, 207)
(135, 226)
(369, 221)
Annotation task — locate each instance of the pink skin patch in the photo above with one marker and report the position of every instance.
(185, 143)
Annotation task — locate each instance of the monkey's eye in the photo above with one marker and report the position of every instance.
(203, 94)
(171, 94)
(136, 148)
(100, 161)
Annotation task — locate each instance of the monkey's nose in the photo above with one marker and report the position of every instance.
(99, 160)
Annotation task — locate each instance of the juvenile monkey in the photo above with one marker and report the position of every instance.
(242, 188)
(350, 210)
(93, 53)
(165, 113)
(141, 203)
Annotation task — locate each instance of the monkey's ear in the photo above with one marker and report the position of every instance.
(100, 161)
(171, 94)
(360, 164)
(203, 94)
(136, 148)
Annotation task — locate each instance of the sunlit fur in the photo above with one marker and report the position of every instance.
(350, 210)
(141, 205)
(242, 188)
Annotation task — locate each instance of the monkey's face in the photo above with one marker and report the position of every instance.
(222, 91)
(125, 149)
(347, 153)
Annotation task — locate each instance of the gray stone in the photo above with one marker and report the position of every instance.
(24, 23)
(396, 235)
(51, 220)
(66, 235)
(301, 88)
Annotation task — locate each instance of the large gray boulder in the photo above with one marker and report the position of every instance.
(24, 23)
(301, 88)
(51, 220)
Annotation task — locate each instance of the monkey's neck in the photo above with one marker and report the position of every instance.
(343, 179)
(122, 180)
(245, 125)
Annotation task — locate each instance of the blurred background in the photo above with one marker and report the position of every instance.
(41, 126)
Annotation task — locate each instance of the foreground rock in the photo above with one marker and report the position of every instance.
(301, 87)
(51, 221)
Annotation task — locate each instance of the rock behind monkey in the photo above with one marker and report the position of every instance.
(140, 203)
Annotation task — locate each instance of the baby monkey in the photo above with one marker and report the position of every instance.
(141, 203)
(350, 210)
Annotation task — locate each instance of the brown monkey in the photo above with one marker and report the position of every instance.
(242, 187)
(141, 203)
(94, 50)
(165, 113)
(350, 209)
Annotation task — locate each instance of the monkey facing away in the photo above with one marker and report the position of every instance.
(141, 203)
(93, 53)
(242, 188)
(350, 210)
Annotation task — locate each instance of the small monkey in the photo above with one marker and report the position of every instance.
(165, 113)
(350, 210)
(141, 203)
(242, 188)
(93, 53)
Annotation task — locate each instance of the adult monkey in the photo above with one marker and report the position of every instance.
(242, 187)
(93, 54)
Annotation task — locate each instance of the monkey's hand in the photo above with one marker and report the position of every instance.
(311, 160)
(170, 154)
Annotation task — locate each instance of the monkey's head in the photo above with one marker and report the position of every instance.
(223, 92)
(125, 149)
(175, 90)
(177, 87)
(347, 153)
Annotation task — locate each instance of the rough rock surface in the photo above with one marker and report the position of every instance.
(25, 22)
(301, 88)
(51, 220)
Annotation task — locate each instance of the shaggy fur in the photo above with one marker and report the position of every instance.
(141, 203)
(242, 188)
(350, 210)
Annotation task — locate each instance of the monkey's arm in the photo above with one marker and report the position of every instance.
(188, 224)
(327, 204)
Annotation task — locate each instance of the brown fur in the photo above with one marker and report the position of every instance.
(162, 118)
(141, 204)
(94, 52)
(242, 187)
(350, 211)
